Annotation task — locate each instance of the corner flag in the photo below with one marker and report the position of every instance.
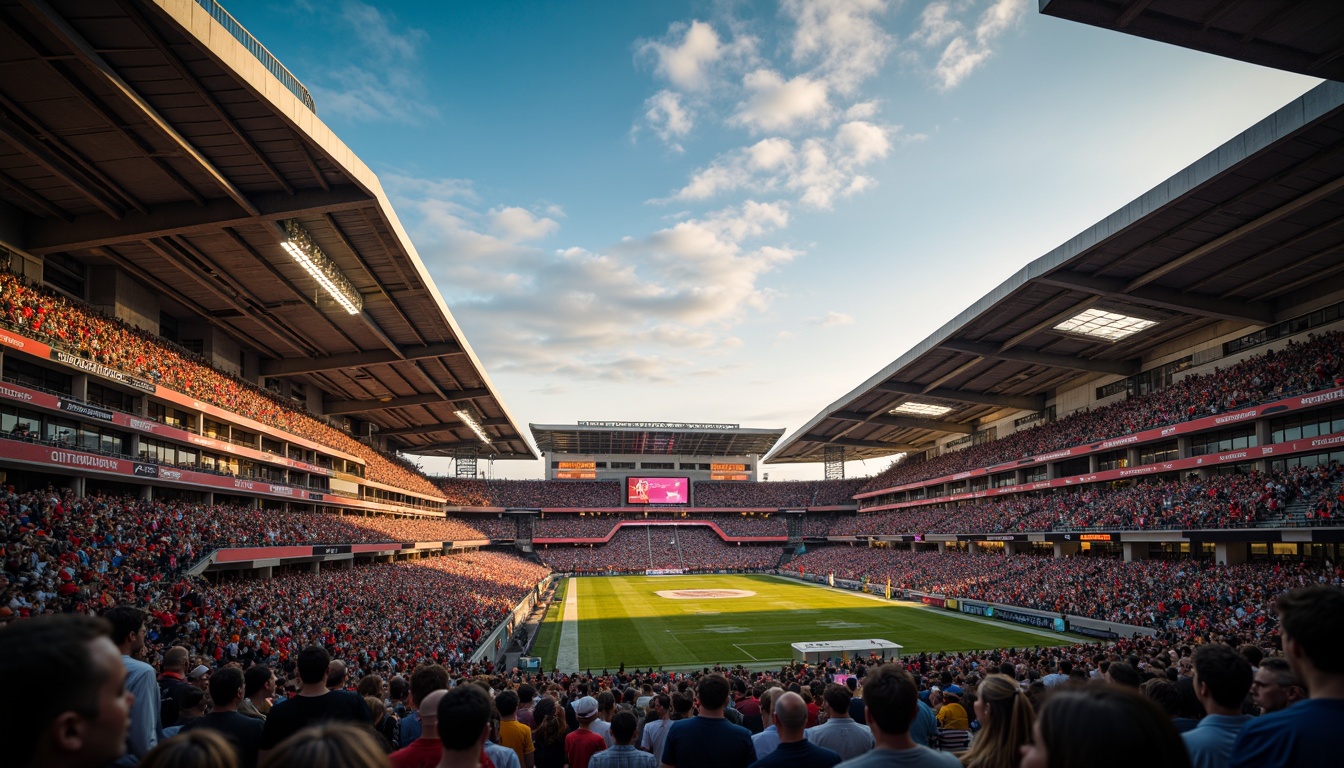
(888, 587)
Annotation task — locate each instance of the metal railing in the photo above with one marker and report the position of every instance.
(254, 46)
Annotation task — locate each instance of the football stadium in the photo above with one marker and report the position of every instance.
(1109, 504)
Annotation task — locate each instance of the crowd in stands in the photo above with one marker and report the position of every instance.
(1218, 501)
(569, 525)
(646, 547)
(1191, 597)
(54, 544)
(787, 493)
(56, 320)
(1313, 363)
(532, 494)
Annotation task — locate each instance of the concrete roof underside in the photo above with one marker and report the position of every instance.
(1240, 238)
(1302, 36)
(141, 134)
(603, 441)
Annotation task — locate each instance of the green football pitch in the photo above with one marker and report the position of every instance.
(641, 621)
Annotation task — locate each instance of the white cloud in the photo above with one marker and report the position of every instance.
(385, 84)
(835, 319)
(817, 171)
(775, 104)
(627, 312)
(686, 56)
(669, 117)
(843, 37)
(965, 49)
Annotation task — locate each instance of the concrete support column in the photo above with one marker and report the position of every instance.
(1183, 446)
(315, 566)
(265, 572)
(209, 498)
(147, 493)
(1067, 548)
(1010, 548)
(79, 386)
(1093, 463)
(1231, 552)
(77, 485)
(1135, 550)
(1132, 455)
(942, 547)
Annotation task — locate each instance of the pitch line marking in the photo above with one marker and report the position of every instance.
(567, 656)
(740, 648)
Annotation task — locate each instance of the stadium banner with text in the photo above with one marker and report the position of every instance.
(1276, 408)
(32, 347)
(657, 490)
(1320, 444)
(1030, 619)
(98, 369)
(53, 458)
(664, 572)
(39, 399)
(977, 609)
(656, 523)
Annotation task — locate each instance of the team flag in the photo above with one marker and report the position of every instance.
(831, 579)
(888, 587)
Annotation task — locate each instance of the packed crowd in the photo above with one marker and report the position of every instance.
(787, 493)
(56, 546)
(692, 548)
(1234, 699)
(1192, 598)
(1218, 501)
(532, 494)
(1314, 363)
(78, 328)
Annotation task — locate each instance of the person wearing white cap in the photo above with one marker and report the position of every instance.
(582, 744)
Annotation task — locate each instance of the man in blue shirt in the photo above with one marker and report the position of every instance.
(1222, 680)
(708, 740)
(1311, 623)
(128, 634)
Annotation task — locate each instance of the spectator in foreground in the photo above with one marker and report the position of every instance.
(463, 726)
(425, 751)
(581, 744)
(1311, 624)
(243, 732)
(195, 749)
(708, 740)
(1222, 680)
(794, 750)
(839, 733)
(1103, 726)
(512, 733)
(623, 754)
(890, 699)
(767, 740)
(329, 745)
(1006, 717)
(1275, 687)
(128, 633)
(80, 710)
(314, 703)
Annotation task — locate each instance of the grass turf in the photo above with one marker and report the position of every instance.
(622, 620)
(548, 635)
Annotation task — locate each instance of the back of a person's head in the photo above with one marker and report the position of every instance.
(48, 670)
(1108, 726)
(426, 679)
(790, 712)
(550, 721)
(397, 688)
(224, 685)
(254, 679)
(890, 697)
(336, 674)
(712, 690)
(125, 620)
(313, 662)
(175, 659)
(837, 697)
(330, 745)
(191, 698)
(623, 726)
(1124, 674)
(1313, 618)
(370, 685)
(1226, 672)
(507, 703)
(681, 704)
(606, 702)
(1164, 694)
(198, 748)
(464, 713)
(526, 693)
(1010, 713)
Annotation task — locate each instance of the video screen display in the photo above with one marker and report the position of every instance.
(657, 490)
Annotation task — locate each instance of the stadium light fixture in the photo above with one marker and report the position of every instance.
(299, 244)
(1108, 326)
(471, 421)
(920, 409)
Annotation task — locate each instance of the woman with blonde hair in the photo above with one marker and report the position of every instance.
(331, 745)
(1006, 716)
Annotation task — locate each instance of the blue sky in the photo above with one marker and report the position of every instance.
(737, 211)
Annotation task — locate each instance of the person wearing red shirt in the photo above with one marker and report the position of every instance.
(582, 744)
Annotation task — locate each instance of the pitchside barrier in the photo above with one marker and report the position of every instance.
(497, 642)
(1079, 625)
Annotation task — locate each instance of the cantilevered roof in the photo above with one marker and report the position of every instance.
(1246, 236)
(1303, 36)
(160, 138)
(654, 439)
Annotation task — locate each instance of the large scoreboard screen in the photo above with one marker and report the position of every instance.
(728, 472)
(576, 470)
(657, 490)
